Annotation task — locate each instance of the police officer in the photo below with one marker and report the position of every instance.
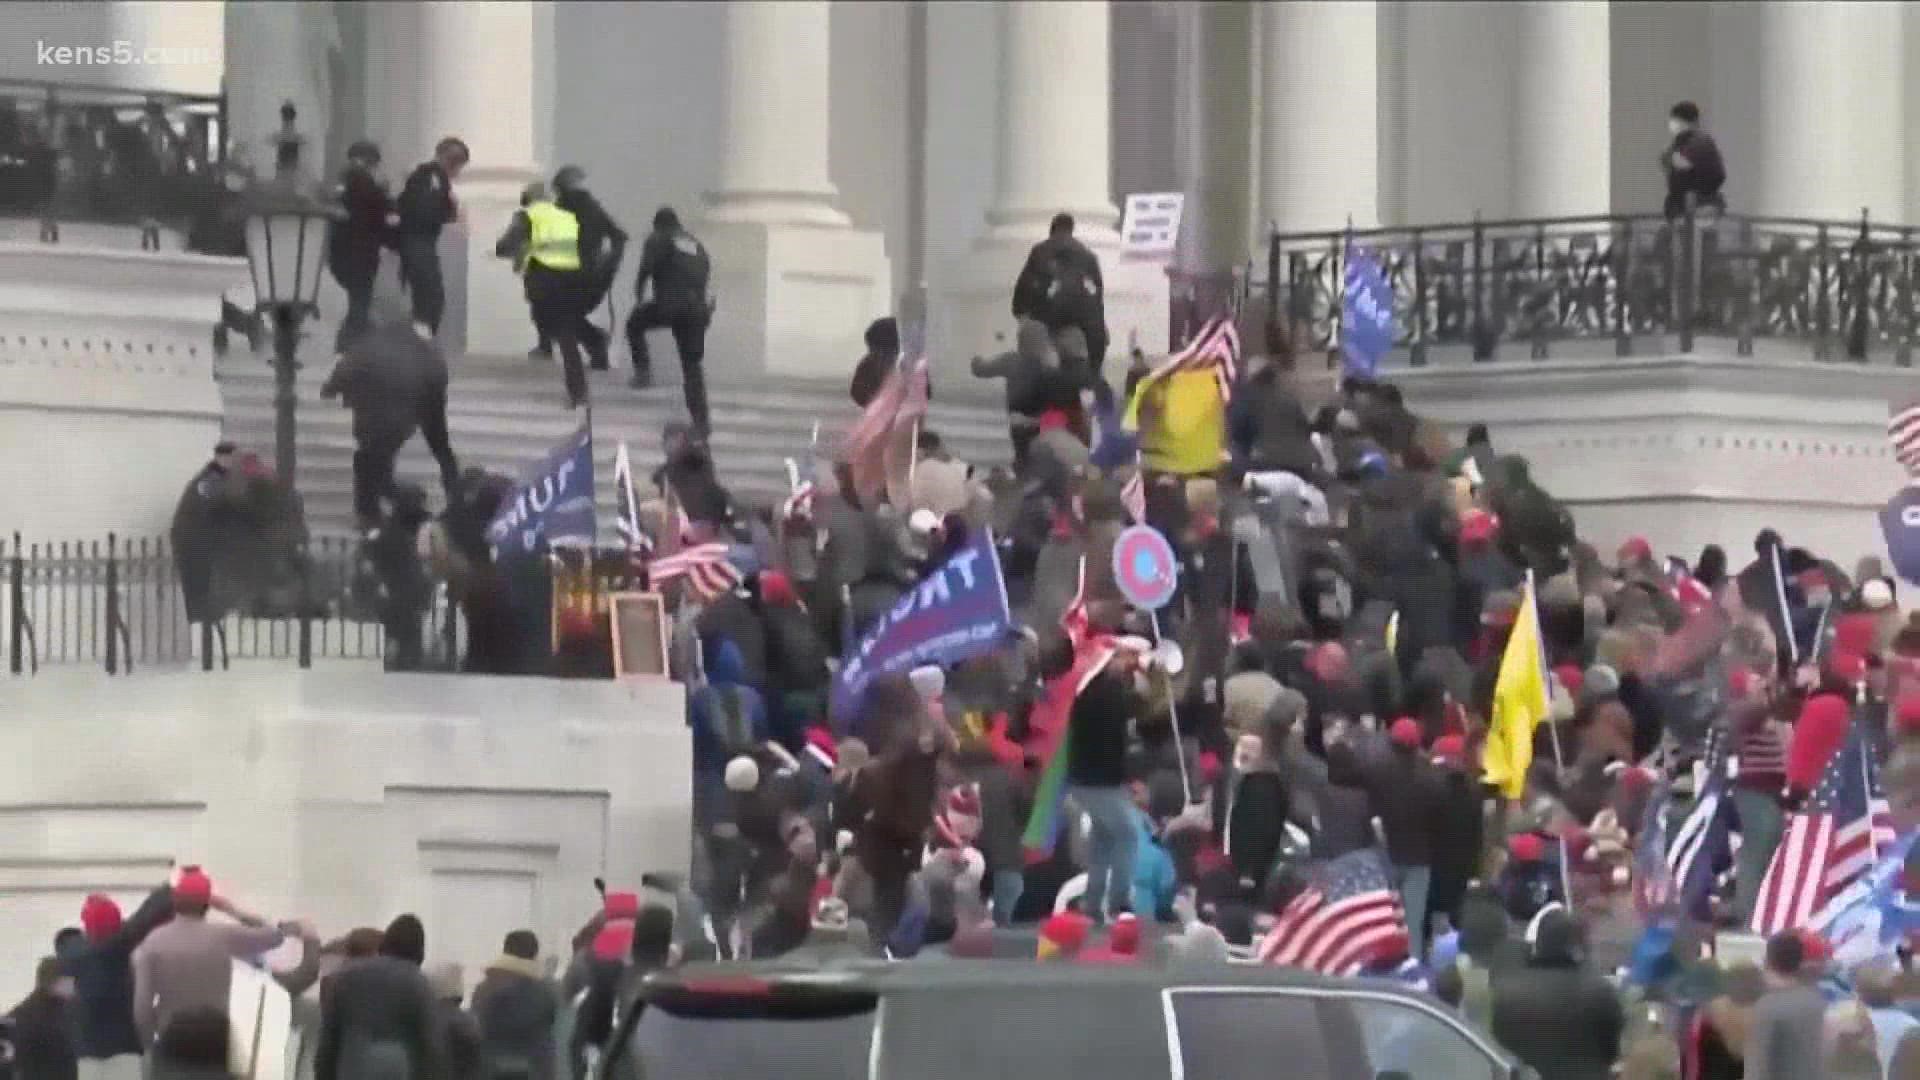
(677, 265)
(550, 237)
(426, 207)
(598, 266)
(354, 243)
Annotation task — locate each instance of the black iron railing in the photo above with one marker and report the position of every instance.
(103, 155)
(1836, 289)
(120, 605)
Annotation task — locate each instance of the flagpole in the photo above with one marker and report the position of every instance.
(1173, 717)
(1786, 613)
(913, 462)
(1866, 789)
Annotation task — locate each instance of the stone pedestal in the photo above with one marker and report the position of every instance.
(798, 295)
(107, 400)
(1690, 450)
(795, 281)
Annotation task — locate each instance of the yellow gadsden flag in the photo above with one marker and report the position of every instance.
(1520, 702)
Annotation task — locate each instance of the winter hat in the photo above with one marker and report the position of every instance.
(1406, 732)
(1602, 679)
(1123, 942)
(743, 775)
(1855, 633)
(100, 917)
(1636, 549)
(777, 589)
(821, 747)
(1817, 736)
(1450, 750)
(1063, 935)
(1527, 848)
(194, 886)
(405, 939)
(1570, 677)
(929, 682)
(1877, 595)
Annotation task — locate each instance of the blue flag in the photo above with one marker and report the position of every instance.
(955, 613)
(1900, 524)
(554, 506)
(1366, 314)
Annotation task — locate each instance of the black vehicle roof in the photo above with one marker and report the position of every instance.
(877, 976)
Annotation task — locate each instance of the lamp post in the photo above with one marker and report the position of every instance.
(286, 244)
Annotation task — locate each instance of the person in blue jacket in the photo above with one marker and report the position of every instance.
(101, 963)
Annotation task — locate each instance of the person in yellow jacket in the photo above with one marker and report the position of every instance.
(547, 240)
(1182, 419)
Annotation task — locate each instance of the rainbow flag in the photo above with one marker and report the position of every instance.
(1052, 717)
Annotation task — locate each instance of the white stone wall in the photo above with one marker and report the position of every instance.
(1689, 451)
(345, 795)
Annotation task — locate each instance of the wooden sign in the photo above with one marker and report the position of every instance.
(640, 635)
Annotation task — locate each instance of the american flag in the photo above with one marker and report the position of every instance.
(1686, 589)
(1348, 919)
(1216, 348)
(1703, 843)
(626, 518)
(708, 568)
(879, 447)
(1903, 431)
(1829, 844)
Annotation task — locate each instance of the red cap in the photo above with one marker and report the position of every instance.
(1636, 549)
(1814, 948)
(1740, 681)
(1065, 932)
(776, 589)
(1406, 732)
(1053, 420)
(1571, 678)
(1636, 780)
(1848, 667)
(1450, 750)
(623, 905)
(1478, 527)
(1906, 715)
(1527, 848)
(99, 917)
(1855, 633)
(1209, 766)
(193, 885)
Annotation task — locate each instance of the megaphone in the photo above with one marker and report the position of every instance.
(1168, 657)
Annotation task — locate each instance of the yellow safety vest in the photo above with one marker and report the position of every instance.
(555, 239)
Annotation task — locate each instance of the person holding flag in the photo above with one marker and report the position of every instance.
(1520, 703)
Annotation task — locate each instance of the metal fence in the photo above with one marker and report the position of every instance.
(108, 155)
(119, 605)
(1836, 289)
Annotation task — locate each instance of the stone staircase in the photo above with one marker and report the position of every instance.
(505, 414)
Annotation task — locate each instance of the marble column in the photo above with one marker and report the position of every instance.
(1055, 122)
(1832, 137)
(1319, 115)
(1055, 128)
(477, 82)
(271, 61)
(1215, 135)
(1562, 114)
(795, 281)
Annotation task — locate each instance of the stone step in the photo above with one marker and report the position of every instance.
(505, 413)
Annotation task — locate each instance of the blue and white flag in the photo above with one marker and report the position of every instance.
(554, 506)
(1366, 314)
(956, 613)
(1703, 844)
(1876, 914)
(1900, 525)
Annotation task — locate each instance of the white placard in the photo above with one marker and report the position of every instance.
(1151, 226)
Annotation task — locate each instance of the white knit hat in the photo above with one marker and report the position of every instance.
(743, 774)
(1877, 595)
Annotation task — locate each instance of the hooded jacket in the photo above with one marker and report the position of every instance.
(379, 1021)
(102, 969)
(516, 1008)
(1270, 429)
(384, 377)
(729, 718)
(1553, 1014)
(1407, 795)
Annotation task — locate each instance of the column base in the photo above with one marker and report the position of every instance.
(792, 299)
(486, 301)
(970, 298)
